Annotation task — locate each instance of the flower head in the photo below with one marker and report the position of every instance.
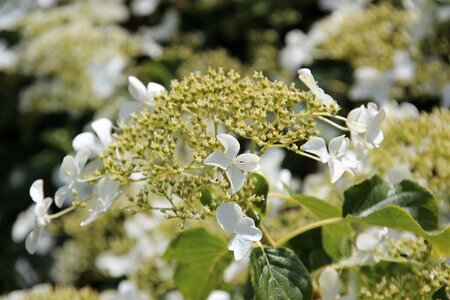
(232, 220)
(364, 124)
(337, 156)
(234, 164)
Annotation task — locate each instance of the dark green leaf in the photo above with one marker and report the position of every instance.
(201, 259)
(277, 273)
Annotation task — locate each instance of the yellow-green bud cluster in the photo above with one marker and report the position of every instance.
(188, 118)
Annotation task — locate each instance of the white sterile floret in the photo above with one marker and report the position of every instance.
(367, 245)
(41, 214)
(234, 164)
(144, 96)
(371, 83)
(307, 78)
(232, 220)
(106, 191)
(126, 290)
(330, 285)
(337, 156)
(364, 124)
(96, 143)
(69, 173)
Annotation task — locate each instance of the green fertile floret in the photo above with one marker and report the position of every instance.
(187, 120)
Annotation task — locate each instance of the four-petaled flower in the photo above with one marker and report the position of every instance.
(232, 220)
(306, 76)
(234, 164)
(106, 195)
(96, 144)
(338, 158)
(364, 124)
(41, 215)
(69, 172)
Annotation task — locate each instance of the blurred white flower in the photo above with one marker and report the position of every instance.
(8, 57)
(337, 156)
(232, 220)
(344, 5)
(70, 171)
(372, 84)
(399, 173)
(41, 215)
(96, 143)
(106, 76)
(234, 164)
(364, 124)
(144, 7)
(404, 68)
(330, 285)
(106, 194)
(126, 290)
(401, 110)
(306, 76)
(368, 243)
(445, 102)
(298, 50)
(219, 295)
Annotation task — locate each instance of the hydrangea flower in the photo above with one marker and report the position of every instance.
(106, 191)
(143, 96)
(370, 83)
(234, 165)
(69, 172)
(307, 78)
(364, 124)
(367, 243)
(329, 286)
(41, 214)
(96, 143)
(337, 156)
(126, 290)
(232, 220)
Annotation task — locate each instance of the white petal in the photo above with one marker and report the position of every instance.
(217, 159)
(230, 144)
(247, 162)
(154, 89)
(358, 120)
(236, 178)
(32, 240)
(329, 284)
(316, 145)
(127, 108)
(228, 215)
(103, 128)
(37, 191)
(61, 195)
(338, 146)
(246, 229)
(89, 220)
(68, 171)
(86, 140)
(81, 158)
(137, 89)
(336, 169)
(369, 240)
(240, 246)
(307, 78)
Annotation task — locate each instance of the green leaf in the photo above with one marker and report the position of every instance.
(404, 206)
(374, 194)
(200, 259)
(277, 273)
(336, 237)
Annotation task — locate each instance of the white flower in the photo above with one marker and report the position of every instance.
(298, 50)
(404, 68)
(102, 127)
(338, 158)
(143, 95)
(106, 195)
(371, 84)
(364, 124)
(8, 57)
(329, 286)
(219, 295)
(69, 173)
(126, 290)
(106, 75)
(306, 76)
(347, 6)
(234, 164)
(144, 7)
(232, 220)
(41, 214)
(367, 245)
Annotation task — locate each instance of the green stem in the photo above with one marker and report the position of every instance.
(305, 228)
(333, 124)
(62, 212)
(267, 236)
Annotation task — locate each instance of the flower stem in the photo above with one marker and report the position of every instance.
(333, 124)
(62, 212)
(305, 228)
(267, 236)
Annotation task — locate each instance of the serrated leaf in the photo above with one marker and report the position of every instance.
(335, 237)
(200, 259)
(277, 273)
(374, 194)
